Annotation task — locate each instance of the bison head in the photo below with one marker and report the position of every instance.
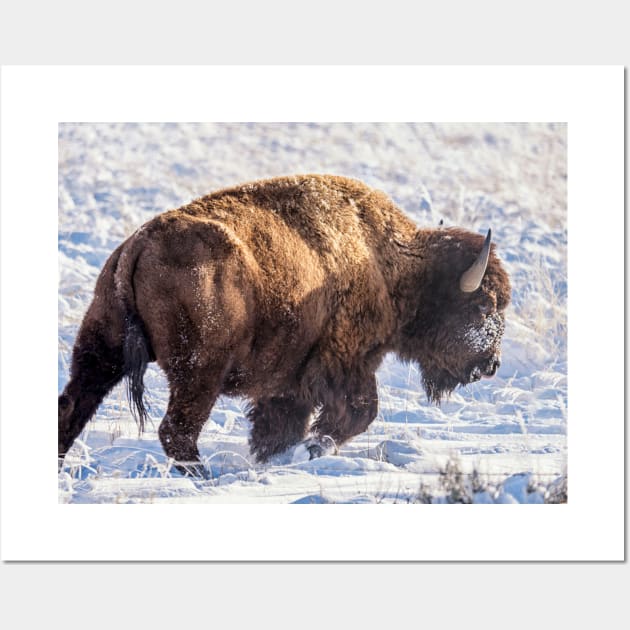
(455, 333)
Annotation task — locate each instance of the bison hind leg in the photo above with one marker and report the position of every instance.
(279, 422)
(179, 431)
(97, 366)
(193, 392)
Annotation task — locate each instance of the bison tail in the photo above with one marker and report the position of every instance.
(137, 351)
(137, 355)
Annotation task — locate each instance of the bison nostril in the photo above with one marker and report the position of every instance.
(495, 364)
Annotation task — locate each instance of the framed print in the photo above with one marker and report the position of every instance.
(375, 291)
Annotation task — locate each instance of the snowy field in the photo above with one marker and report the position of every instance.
(499, 440)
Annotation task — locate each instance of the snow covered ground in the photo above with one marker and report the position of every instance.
(500, 440)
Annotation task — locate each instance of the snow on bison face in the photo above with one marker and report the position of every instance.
(475, 345)
(483, 341)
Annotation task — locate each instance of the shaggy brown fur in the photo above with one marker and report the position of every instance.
(288, 292)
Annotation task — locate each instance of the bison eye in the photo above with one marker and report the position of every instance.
(485, 309)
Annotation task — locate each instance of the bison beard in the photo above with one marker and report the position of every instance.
(288, 292)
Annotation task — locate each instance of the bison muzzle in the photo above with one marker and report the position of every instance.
(288, 292)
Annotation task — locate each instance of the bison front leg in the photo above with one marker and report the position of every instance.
(347, 411)
(279, 423)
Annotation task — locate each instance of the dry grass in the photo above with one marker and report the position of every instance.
(458, 487)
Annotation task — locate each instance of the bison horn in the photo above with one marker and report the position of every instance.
(471, 278)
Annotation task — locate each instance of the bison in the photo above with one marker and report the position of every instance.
(288, 292)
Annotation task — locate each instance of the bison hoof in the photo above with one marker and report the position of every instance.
(313, 447)
(195, 470)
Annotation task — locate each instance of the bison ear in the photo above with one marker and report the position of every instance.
(471, 278)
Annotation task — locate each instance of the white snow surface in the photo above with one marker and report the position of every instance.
(505, 438)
